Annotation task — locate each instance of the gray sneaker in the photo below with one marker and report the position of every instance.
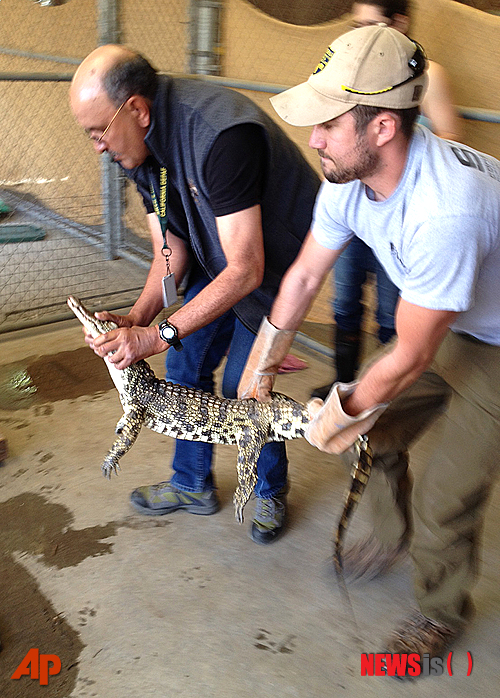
(269, 519)
(163, 498)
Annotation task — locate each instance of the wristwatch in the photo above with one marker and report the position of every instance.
(169, 335)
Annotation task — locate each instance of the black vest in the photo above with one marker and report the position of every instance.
(187, 117)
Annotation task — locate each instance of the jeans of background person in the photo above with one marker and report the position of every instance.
(350, 272)
(194, 367)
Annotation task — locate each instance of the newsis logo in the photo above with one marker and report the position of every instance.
(408, 665)
(324, 61)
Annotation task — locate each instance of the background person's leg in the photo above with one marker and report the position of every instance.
(387, 299)
(349, 275)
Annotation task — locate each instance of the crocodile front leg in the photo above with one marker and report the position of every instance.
(250, 444)
(128, 429)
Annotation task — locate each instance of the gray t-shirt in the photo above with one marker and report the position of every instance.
(437, 235)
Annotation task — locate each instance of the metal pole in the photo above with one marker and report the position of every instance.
(107, 22)
(111, 191)
(40, 56)
(112, 180)
(205, 37)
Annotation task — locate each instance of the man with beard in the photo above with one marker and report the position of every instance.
(358, 260)
(430, 210)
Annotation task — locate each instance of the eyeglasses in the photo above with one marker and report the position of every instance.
(99, 139)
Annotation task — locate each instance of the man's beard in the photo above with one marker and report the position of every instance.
(367, 164)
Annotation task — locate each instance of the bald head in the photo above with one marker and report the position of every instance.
(115, 86)
(115, 72)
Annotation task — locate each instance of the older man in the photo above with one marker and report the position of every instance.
(430, 210)
(229, 197)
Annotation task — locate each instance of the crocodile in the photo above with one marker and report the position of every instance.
(194, 415)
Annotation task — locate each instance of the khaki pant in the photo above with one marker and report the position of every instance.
(446, 513)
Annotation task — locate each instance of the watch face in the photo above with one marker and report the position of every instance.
(167, 332)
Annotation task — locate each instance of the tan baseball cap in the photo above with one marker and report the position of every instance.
(374, 65)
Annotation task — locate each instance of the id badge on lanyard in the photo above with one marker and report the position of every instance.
(168, 287)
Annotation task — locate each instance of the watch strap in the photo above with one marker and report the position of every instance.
(174, 342)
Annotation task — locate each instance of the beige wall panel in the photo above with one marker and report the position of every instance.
(466, 42)
(260, 48)
(45, 153)
(67, 30)
(482, 136)
(159, 30)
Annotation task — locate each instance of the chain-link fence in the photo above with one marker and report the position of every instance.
(65, 215)
(61, 223)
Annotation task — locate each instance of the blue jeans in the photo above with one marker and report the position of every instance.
(349, 276)
(194, 366)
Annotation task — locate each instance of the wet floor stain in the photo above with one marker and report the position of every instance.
(28, 619)
(17, 390)
(39, 527)
(31, 524)
(45, 379)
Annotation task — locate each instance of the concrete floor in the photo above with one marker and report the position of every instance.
(183, 605)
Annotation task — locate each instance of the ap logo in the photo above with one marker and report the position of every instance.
(36, 666)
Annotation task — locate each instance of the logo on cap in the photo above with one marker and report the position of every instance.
(324, 61)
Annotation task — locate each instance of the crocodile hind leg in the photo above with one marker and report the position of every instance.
(250, 443)
(128, 429)
(121, 423)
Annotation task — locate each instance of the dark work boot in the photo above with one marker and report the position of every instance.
(347, 350)
(346, 360)
(322, 391)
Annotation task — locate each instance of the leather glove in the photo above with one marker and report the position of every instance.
(331, 429)
(268, 351)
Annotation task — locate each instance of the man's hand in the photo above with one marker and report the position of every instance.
(120, 320)
(127, 345)
(331, 429)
